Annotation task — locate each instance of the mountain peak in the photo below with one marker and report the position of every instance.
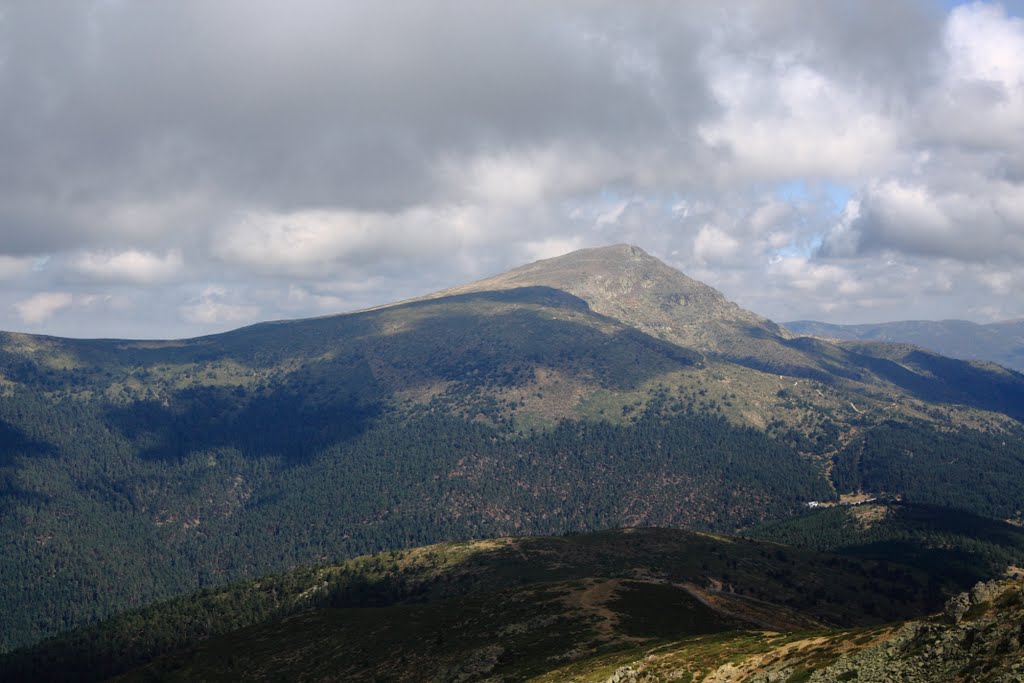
(624, 282)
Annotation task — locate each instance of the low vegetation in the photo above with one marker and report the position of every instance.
(518, 605)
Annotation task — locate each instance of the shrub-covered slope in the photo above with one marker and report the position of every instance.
(506, 607)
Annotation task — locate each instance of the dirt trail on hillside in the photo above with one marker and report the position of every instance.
(593, 599)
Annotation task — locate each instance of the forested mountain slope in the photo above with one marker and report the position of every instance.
(951, 544)
(596, 390)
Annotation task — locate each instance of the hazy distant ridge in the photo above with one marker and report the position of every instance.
(1001, 342)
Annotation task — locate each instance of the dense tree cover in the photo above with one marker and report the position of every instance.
(108, 506)
(966, 469)
(949, 544)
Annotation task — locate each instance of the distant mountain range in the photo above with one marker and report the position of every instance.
(1001, 342)
(596, 390)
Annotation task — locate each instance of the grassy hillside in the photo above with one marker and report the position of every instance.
(508, 605)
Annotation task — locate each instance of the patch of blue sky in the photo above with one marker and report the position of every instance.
(795, 191)
(802, 249)
(829, 200)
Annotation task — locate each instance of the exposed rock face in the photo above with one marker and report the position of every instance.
(960, 605)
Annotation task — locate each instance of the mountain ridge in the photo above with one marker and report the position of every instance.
(198, 462)
(999, 342)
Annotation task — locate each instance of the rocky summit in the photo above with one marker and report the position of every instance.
(626, 283)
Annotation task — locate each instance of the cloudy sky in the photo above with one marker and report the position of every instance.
(176, 167)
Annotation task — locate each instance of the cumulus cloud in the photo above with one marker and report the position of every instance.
(213, 307)
(12, 267)
(714, 245)
(42, 306)
(807, 158)
(980, 100)
(320, 241)
(783, 118)
(130, 266)
(915, 219)
(551, 247)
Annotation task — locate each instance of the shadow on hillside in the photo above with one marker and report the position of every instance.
(14, 442)
(803, 358)
(280, 423)
(353, 366)
(934, 378)
(924, 375)
(499, 339)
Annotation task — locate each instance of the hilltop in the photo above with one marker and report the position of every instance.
(506, 607)
(626, 283)
(596, 390)
(626, 605)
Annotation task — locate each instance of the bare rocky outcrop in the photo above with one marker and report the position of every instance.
(979, 637)
(630, 674)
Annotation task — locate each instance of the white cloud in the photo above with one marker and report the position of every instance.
(211, 309)
(313, 242)
(318, 243)
(983, 222)
(551, 247)
(12, 267)
(41, 307)
(714, 245)
(802, 274)
(303, 299)
(1001, 282)
(981, 97)
(781, 119)
(133, 266)
(770, 215)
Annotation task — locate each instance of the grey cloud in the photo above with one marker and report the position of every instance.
(322, 104)
(228, 160)
(979, 221)
(887, 48)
